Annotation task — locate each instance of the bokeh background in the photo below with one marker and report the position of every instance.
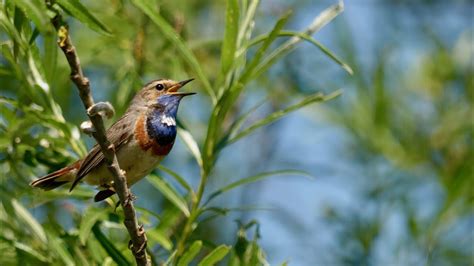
(391, 159)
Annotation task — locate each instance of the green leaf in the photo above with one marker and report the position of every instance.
(80, 12)
(50, 57)
(215, 256)
(170, 259)
(160, 237)
(252, 179)
(57, 245)
(247, 25)
(37, 12)
(230, 35)
(148, 212)
(109, 247)
(191, 144)
(169, 192)
(218, 212)
(169, 33)
(23, 215)
(178, 178)
(318, 97)
(91, 216)
(266, 44)
(311, 40)
(319, 22)
(229, 97)
(237, 124)
(169, 218)
(8, 27)
(189, 255)
(31, 251)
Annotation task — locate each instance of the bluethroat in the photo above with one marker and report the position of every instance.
(142, 137)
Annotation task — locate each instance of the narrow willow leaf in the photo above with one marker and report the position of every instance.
(191, 144)
(29, 220)
(148, 212)
(318, 97)
(228, 99)
(57, 245)
(91, 216)
(245, 30)
(178, 178)
(319, 22)
(31, 251)
(37, 12)
(50, 57)
(109, 247)
(20, 21)
(189, 255)
(252, 179)
(169, 33)
(97, 253)
(215, 256)
(236, 126)
(169, 218)
(169, 192)
(225, 211)
(325, 17)
(170, 259)
(266, 44)
(8, 27)
(311, 40)
(81, 257)
(160, 237)
(218, 212)
(230, 35)
(81, 13)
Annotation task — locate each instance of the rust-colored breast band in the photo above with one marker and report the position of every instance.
(145, 142)
(141, 135)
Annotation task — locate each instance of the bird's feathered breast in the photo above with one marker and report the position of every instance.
(156, 131)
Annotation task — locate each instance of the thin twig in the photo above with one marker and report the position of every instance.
(136, 232)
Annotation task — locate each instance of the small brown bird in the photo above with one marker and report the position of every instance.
(142, 137)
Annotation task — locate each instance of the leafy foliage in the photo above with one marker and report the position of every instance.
(37, 138)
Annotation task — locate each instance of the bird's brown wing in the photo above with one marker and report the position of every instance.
(118, 134)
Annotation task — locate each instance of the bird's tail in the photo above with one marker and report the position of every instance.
(57, 178)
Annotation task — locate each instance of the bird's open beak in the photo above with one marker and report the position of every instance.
(174, 89)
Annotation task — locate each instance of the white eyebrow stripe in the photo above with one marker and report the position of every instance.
(168, 120)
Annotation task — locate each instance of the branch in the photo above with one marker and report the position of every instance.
(137, 233)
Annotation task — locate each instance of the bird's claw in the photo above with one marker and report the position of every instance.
(101, 108)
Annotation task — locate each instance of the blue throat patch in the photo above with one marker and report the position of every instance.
(163, 133)
(157, 130)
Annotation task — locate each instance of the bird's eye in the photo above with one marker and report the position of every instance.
(159, 86)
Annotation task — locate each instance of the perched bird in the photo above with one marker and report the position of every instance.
(142, 137)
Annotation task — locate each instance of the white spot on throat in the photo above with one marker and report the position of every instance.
(168, 120)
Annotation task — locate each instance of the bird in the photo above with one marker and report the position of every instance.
(142, 137)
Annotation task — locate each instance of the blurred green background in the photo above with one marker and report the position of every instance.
(391, 159)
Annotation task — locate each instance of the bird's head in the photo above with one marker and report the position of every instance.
(163, 94)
